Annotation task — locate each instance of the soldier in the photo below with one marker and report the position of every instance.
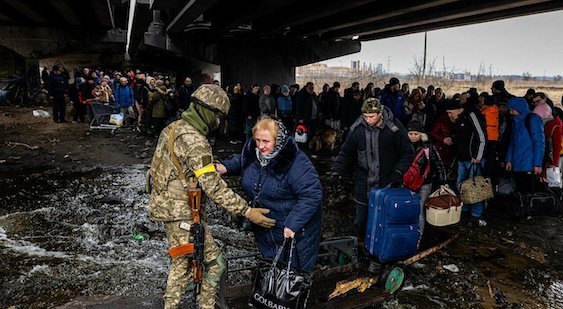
(191, 158)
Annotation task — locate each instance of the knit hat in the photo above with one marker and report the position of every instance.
(489, 100)
(371, 105)
(284, 88)
(453, 104)
(498, 84)
(415, 125)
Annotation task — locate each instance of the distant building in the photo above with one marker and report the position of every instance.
(355, 65)
(379, 69)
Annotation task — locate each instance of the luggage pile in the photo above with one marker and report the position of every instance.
(543, 200)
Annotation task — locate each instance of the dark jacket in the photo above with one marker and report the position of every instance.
(141, 93)
(304, 106)
(86, 90)
(395, 155)
(350, 110)
(527, 145)
(292, 190)
(57, 85)
(330, 104)
(251, 106)
(267, 104)
(470, 135)
(437, 170)
(184, 95)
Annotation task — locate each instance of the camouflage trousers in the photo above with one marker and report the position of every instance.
(180, 275)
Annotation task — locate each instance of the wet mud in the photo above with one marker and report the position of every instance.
(66, 234)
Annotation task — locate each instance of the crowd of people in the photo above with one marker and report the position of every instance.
(470, 133)
(147, 101)
(384, 132)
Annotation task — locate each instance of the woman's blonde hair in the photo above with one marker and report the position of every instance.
(268, 124)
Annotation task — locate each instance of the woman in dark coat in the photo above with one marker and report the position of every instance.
(420, 141)
(278, 176)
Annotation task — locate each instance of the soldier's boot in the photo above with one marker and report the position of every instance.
(220, 301)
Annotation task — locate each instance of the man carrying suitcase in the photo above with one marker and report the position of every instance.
(377, 151)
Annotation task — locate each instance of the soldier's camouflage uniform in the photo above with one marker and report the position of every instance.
(168, 203)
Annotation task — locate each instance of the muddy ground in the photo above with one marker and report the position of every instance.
(45, 167)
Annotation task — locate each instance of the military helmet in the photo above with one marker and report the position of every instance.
(213, 97)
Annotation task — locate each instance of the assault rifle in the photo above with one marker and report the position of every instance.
(198, 231)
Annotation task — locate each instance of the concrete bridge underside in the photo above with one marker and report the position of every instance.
(252, 41)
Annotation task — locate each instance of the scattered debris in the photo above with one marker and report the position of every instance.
(451, 267)
(429, 251)
(490, 289)
(41, 113)
(14, 144)
(361, 284)
(533, 253)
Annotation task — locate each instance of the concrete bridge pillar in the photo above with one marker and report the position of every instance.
(32, 68)
(248, 64)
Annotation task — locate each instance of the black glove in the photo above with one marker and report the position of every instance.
(335, 181)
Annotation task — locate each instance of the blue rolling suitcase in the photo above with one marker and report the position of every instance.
(392, 232)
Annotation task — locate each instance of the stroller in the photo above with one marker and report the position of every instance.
(101, 114)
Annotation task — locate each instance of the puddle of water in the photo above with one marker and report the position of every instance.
(72, 237)
(62, 237)
(555, 295)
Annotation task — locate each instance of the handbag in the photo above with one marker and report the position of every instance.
(506, 185)
(443, 208)
(279, 286)
(553, 175)
(413, 178)
(443, 200)
(476, 189)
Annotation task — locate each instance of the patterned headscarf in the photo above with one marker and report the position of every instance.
(280, 142)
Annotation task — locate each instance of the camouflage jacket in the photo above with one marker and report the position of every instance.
(168, 200)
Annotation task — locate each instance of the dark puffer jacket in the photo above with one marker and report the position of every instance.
(291, 189)
(394, 157)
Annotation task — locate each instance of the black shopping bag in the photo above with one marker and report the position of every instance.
(279, 286)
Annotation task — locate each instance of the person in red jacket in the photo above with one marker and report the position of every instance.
(442, 132)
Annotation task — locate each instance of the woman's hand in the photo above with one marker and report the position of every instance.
(221, 169)
(287, 233)
(442, 188)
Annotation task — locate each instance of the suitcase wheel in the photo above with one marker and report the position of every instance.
(394, 279)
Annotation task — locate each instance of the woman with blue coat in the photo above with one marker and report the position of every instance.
(527, 145)
(277, 175)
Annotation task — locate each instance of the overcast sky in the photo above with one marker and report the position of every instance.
(531, 44)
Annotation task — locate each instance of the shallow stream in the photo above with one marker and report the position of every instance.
(69, 234)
